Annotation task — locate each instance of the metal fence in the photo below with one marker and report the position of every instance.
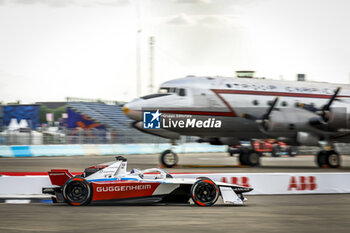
(82, 137)
(112, 137)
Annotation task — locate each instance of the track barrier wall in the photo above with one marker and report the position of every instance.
(104, 149)
(24, 184)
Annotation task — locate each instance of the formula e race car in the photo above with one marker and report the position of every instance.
(110, 182)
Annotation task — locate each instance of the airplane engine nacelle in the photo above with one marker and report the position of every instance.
(307, 139)
(287, 122)
(220, 141)
(338, 119)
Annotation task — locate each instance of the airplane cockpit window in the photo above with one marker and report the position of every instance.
(146, 97)
(169, 90)
(182, 92)
(164, 90)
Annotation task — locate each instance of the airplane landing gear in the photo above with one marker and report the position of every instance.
(250, 158)
(169, 159)
(328, 158)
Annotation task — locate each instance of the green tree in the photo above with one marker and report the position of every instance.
(42, 113)
(58, 112)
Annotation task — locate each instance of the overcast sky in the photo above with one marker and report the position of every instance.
(51, 49)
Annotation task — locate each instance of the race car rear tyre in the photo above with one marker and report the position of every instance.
(204, 192)
(169, 159)
(77, 191)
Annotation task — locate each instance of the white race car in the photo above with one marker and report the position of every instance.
(111, 182)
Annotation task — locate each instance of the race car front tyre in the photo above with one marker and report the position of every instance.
(77, 191)
(204, 192)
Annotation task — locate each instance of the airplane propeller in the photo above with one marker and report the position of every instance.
(323, 113)
(325, 109)
(320, 120)
(265, 117)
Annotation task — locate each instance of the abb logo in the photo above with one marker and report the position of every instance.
(242, 181)
(302, 183)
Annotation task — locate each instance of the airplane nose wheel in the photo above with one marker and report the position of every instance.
(250, 158)
(169, 159)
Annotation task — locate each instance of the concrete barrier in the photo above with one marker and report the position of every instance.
(104, 149)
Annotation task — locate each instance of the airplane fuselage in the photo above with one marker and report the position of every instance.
(227, 99)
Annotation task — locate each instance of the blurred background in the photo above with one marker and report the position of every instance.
(67, 67)
(122, 49)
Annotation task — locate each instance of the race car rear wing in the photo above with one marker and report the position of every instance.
(59, 176)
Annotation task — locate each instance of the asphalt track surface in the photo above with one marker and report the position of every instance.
(274, 213)
(284, 213)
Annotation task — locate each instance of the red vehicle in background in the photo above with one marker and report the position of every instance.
(262, 146)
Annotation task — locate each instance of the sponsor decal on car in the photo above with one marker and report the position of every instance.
(117, 188)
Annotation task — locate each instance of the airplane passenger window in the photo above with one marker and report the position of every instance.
(284, 103)
(255, 102)
(228, 85)
(182, 92)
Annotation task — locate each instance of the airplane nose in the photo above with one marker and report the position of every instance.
(126, 110)
(132, 111)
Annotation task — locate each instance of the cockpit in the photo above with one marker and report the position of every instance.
(164, 91)
(151, 173)
(151, 96)
(175, 90)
